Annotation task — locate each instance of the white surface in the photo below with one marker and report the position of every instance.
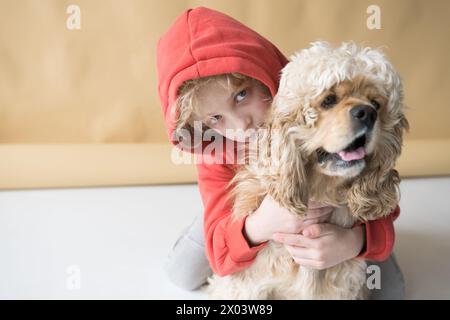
(118, 239)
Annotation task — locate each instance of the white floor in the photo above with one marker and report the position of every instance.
(110, 243)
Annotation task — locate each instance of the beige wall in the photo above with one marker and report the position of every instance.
(80, 108)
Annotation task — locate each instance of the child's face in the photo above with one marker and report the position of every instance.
(233, 113)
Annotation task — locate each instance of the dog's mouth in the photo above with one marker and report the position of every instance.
(352, 154)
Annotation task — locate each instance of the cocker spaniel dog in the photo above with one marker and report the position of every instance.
(333, 135)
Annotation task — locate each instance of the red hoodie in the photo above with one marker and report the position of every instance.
(203, 42)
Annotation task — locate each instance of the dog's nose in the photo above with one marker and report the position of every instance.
(364, 114)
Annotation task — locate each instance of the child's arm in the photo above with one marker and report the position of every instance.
(232, 246)
(270, 218)
(226, 247)
(380, 237)
(325, 245)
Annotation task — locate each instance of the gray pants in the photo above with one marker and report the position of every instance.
(188, 267)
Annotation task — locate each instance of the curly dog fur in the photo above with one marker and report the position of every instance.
(312, 121)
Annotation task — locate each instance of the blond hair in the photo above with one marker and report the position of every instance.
(187, 102)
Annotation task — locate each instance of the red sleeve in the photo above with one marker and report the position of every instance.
(380, 237)
(226, 247)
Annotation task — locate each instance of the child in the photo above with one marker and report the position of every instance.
(213, 69)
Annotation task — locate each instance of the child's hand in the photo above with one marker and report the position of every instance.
(271, 218)
(323, 245)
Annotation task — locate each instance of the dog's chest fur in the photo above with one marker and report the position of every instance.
(275, 275)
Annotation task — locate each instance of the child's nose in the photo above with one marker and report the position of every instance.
(243, 122)
(247, 123)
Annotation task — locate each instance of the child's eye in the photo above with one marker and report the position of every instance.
(241, 96)
(214, 120)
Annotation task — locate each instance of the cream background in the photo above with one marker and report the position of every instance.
(80, 107)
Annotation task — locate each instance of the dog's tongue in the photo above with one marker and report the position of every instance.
(353, 155)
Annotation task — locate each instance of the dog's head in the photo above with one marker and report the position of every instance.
(342, 108)
(348, 128)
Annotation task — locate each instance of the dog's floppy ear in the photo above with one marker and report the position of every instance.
(375, 193)
(290, 188)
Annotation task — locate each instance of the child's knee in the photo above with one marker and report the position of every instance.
(390, 279)
(183, 279)
(187, 266)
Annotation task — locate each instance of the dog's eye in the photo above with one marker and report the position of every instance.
(329, 101)
(375, 104)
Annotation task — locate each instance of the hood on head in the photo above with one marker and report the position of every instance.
(203, 42)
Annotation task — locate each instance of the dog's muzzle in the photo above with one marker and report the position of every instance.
(363, 116)
(351, 155)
